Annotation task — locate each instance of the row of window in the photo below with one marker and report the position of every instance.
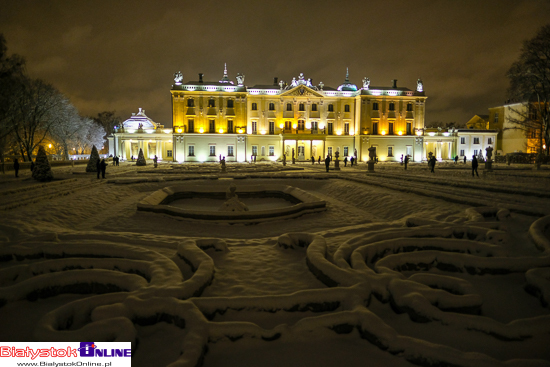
(231, 150)
(301, 106)
(391, 130)
(476, 140)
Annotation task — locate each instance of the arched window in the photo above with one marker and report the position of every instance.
(302, 107)
(346, 108)
(392, 106)
(272, 106)
(190, 102)
(289, 106)
(254, 106)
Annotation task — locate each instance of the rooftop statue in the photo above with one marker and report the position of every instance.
(419, 86)
(240, 79)
(178, 78)
(366, 83)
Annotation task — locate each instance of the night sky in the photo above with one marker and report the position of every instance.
(121, 55)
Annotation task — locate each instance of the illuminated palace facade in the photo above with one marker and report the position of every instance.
(295, 118)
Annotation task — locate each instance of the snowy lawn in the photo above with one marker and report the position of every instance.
(403, 268)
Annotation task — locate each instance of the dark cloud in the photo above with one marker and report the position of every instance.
(122, 54)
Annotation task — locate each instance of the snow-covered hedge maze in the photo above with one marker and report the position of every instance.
(424, 269)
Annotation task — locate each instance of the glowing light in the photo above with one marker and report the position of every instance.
(201, 130)
(339, 132)
(383, 132)
(150, 141)
(240, 130)
(544, 146)
(351, 132)
(308, 125)
(169, 141)
(419, 132)
(426, 143)
(400, 132)
(262, 132)
(221, 131)
(179, 130)
(431, 134)
(49, 146)
(294, 126)
(321, 125)
(282, 125)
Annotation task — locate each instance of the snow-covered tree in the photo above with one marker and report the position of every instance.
(141, 159)
(42, 170)
(92, 163)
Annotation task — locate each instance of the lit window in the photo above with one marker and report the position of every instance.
(271, 127)
(462, 152)
(169, 153)
(301, 125)
(346, 108)
(271, 150)
(190, 102)
(346, 129)
(191, 151)
(390, 151)
(211, 103)
(476, 140)
(463, 140)
(254, 106)
(490, 141)
(254, 127)
(230, 150)
(254, 150)
(346, 151)
(212, 150)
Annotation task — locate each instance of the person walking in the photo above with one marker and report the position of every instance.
(406, 161)
(474, 166)
(103, 167)
(351, 160)
(327, 162)
(319, 159)
(432, 164)
(345, 161)
(16, 167)
(312, 160)
(456, 159)
(464, 159)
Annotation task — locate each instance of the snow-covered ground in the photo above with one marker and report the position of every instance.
(403, 268)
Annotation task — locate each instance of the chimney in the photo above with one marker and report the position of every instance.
(200, 77)
(394, 83)
(275, 81)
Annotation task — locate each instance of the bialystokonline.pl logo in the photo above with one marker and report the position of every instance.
(66, 354)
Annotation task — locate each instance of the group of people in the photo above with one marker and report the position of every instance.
(475, 164)
(101, 166)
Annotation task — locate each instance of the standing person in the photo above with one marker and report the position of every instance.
(16, 167)
(98, 167)
(464, 159)
(351, 160)
(155, 160)
(103, 167)
(474, 166)
(346, 161)
(456, 159)
(406, 161)
(401, 159)
(432, 164)
(327, 162)
(312, 160)
(319, 159)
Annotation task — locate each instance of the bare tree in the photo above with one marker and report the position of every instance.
(107, 119)
(35, 110)
(530, 85)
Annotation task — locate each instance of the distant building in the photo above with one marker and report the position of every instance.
(228, 119)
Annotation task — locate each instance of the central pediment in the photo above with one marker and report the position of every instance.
(301, 91)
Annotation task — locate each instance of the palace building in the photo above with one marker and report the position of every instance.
(213, 119)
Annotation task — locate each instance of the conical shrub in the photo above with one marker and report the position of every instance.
(92, 163)
(141, 159)
(42, 170)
